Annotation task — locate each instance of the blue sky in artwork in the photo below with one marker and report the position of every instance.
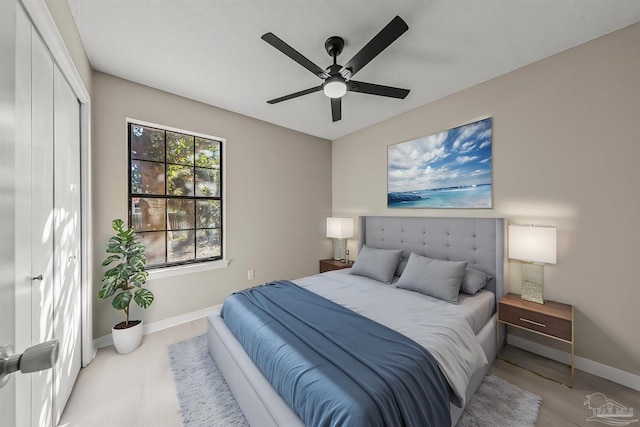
(456, 157)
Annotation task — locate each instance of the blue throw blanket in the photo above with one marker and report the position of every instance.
(335, 367)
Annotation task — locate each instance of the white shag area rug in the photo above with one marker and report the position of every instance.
(204, 396)
(206, 401)
(499, 403)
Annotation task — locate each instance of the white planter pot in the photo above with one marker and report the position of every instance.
(129, 339)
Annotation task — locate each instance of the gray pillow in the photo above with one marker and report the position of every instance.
(433, 277)
(404, 257)
(377, 264)
(474, 280)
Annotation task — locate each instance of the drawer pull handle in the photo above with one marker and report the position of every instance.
(532, 322)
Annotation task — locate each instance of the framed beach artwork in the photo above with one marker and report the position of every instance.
(450, 169)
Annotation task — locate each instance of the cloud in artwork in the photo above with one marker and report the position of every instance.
(465, 159)
(457, 157)
(418, 152)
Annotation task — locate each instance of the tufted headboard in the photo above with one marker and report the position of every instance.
(479, 241)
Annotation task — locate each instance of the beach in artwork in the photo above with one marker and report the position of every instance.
(450, 169)
(465, 197)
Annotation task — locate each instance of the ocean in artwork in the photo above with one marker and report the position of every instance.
(476, 196)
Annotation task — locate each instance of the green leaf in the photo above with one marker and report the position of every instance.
(143, 297)
(116, 224)
(115, 271)
(138, 264)
(122, 300)
(115, 248)
(110, 259)
(107, 290)
(139, 279)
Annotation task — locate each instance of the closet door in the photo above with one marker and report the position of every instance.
(10, 393)
(42, 223)
(67, 305)
(47, 226)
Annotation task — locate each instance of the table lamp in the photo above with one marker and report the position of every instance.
(536, 246)
(339, 229)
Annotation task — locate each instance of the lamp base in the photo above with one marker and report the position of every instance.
(339, 249)
(533, 283)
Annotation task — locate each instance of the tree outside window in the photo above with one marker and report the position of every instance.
(175, 195)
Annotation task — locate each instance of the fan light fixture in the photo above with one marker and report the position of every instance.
(337, 79)
(335, 87)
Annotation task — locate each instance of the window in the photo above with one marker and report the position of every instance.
(175, 195)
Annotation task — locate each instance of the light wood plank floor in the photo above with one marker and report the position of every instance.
(137, 389)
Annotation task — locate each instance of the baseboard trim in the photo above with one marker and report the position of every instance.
(595, 368)
(107, 340)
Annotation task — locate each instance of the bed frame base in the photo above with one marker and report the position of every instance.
(262, 405)
(480, 241)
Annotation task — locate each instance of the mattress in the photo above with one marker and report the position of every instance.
(264, 407)
(475, 309)
(334, 366)
(443, 329)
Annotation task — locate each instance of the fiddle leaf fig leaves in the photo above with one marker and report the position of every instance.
(128, 255)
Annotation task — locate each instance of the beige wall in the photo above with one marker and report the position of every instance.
(566, 152)
(278, 196)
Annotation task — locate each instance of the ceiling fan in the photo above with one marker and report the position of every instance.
(337, 78)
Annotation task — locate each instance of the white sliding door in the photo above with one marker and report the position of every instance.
(42, 222)
(23, 217)
(8, 255)
(67, 305)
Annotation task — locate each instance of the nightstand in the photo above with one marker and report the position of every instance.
(332, 264)
(551, 319)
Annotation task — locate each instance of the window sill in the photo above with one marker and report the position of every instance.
(180, 270)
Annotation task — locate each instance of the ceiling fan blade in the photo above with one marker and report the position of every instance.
(274, 41)
(336, 109)
(374, 89)
(295, 95)
(380, 42)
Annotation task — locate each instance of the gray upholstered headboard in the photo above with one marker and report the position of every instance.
(479, 241)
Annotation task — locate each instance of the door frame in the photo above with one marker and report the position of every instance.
(44, 24)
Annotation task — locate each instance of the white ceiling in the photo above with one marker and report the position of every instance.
(211, 51)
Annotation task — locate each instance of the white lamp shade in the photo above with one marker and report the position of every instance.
(532, 243)
(340, 228)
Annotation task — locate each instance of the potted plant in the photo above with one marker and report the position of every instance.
(125, 281)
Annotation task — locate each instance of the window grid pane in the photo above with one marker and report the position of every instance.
(175, 195)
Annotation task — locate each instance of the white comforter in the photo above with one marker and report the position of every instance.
(440, 328)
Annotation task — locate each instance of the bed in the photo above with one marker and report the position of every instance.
(478, 241)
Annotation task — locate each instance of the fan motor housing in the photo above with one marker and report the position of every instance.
(334, 46)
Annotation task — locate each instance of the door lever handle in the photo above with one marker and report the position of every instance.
(38, 277)
(36, 358)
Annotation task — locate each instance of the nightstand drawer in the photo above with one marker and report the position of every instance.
(540, 322)
(329, 267)
(331, 264)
